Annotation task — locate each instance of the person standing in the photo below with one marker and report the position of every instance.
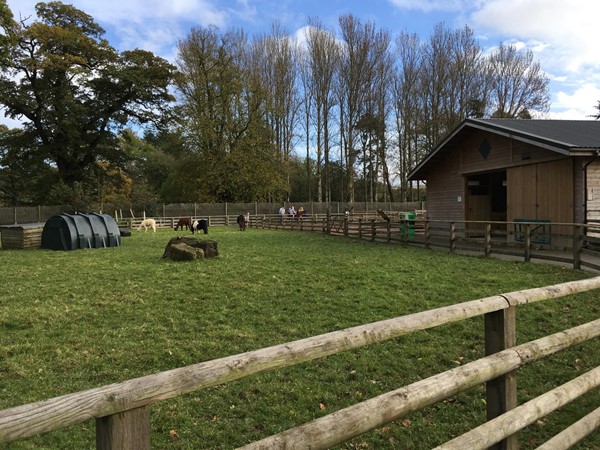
(281, 213)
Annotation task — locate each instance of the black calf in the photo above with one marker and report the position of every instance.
(201, 224)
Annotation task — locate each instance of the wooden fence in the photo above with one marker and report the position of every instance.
(577, 245)
(121, 410)
(32, 214)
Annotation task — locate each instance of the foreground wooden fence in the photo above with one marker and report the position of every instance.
(122, 416)
(577, 245)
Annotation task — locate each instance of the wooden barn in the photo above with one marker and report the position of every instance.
(513, 170)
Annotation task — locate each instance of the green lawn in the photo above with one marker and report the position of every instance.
(71, 321)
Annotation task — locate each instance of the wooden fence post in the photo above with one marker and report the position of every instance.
(373, 230)
(360, 228)
(501, 392)
(427, 235)
(452, 237)
(577, 244)
(346, 226)
(125, 430)
(488, 240)
(527, 242)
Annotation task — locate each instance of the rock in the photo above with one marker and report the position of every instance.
(183, 252)
(182, 248)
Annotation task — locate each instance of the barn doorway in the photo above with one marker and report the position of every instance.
(486, 199)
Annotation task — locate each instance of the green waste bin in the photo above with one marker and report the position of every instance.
(407, 225)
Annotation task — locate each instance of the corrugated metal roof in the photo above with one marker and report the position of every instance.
(571, 133)
(562, 136)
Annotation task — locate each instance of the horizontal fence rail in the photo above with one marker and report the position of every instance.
(121, 409)
(573, 244)
(509, 423)
(355, 420)
(30, 214)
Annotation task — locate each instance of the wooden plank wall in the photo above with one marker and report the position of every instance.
(18, 238)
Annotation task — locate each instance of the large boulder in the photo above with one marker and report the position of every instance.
(183, 248)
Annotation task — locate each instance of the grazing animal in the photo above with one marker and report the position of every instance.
(243, 221)
(183, 222)
(198, 225)
(147, 223)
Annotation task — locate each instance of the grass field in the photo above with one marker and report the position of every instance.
(70, 321)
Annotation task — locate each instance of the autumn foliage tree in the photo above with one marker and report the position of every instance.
(74, 92)
(232, 151)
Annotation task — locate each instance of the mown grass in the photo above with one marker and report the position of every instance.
(70, 321)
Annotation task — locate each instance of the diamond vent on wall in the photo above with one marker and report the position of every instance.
(485, 149)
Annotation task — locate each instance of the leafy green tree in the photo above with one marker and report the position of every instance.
(7, 32)
(232, 150)
(24, 178)
(74, 92)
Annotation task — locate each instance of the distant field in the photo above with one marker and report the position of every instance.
(70, 321)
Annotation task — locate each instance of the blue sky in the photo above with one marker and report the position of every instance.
(563, 34)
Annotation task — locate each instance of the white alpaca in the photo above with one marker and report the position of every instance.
(147, 223)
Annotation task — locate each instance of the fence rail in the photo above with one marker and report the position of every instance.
(122, 413)
(574, 244)
(29, 214)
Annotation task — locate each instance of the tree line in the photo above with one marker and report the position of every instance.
(339, 115)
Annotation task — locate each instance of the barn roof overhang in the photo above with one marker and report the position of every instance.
(510, 129)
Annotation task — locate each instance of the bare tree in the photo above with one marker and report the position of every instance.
(468, 78)
(356, 82)
(407, 104)
(276, 60)
(382, 79)
(307, 103)
(518, 85)
(435, 84)
(597, 115)
(323, 60)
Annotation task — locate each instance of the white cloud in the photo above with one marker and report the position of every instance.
(568, 30)
(579, 104)
(428, 5)
(153, 25)
(563, 36)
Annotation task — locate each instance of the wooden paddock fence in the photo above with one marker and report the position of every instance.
(122, 410)
(577, 245)
(170, 222)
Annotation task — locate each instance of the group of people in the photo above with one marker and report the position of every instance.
(292, 213)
